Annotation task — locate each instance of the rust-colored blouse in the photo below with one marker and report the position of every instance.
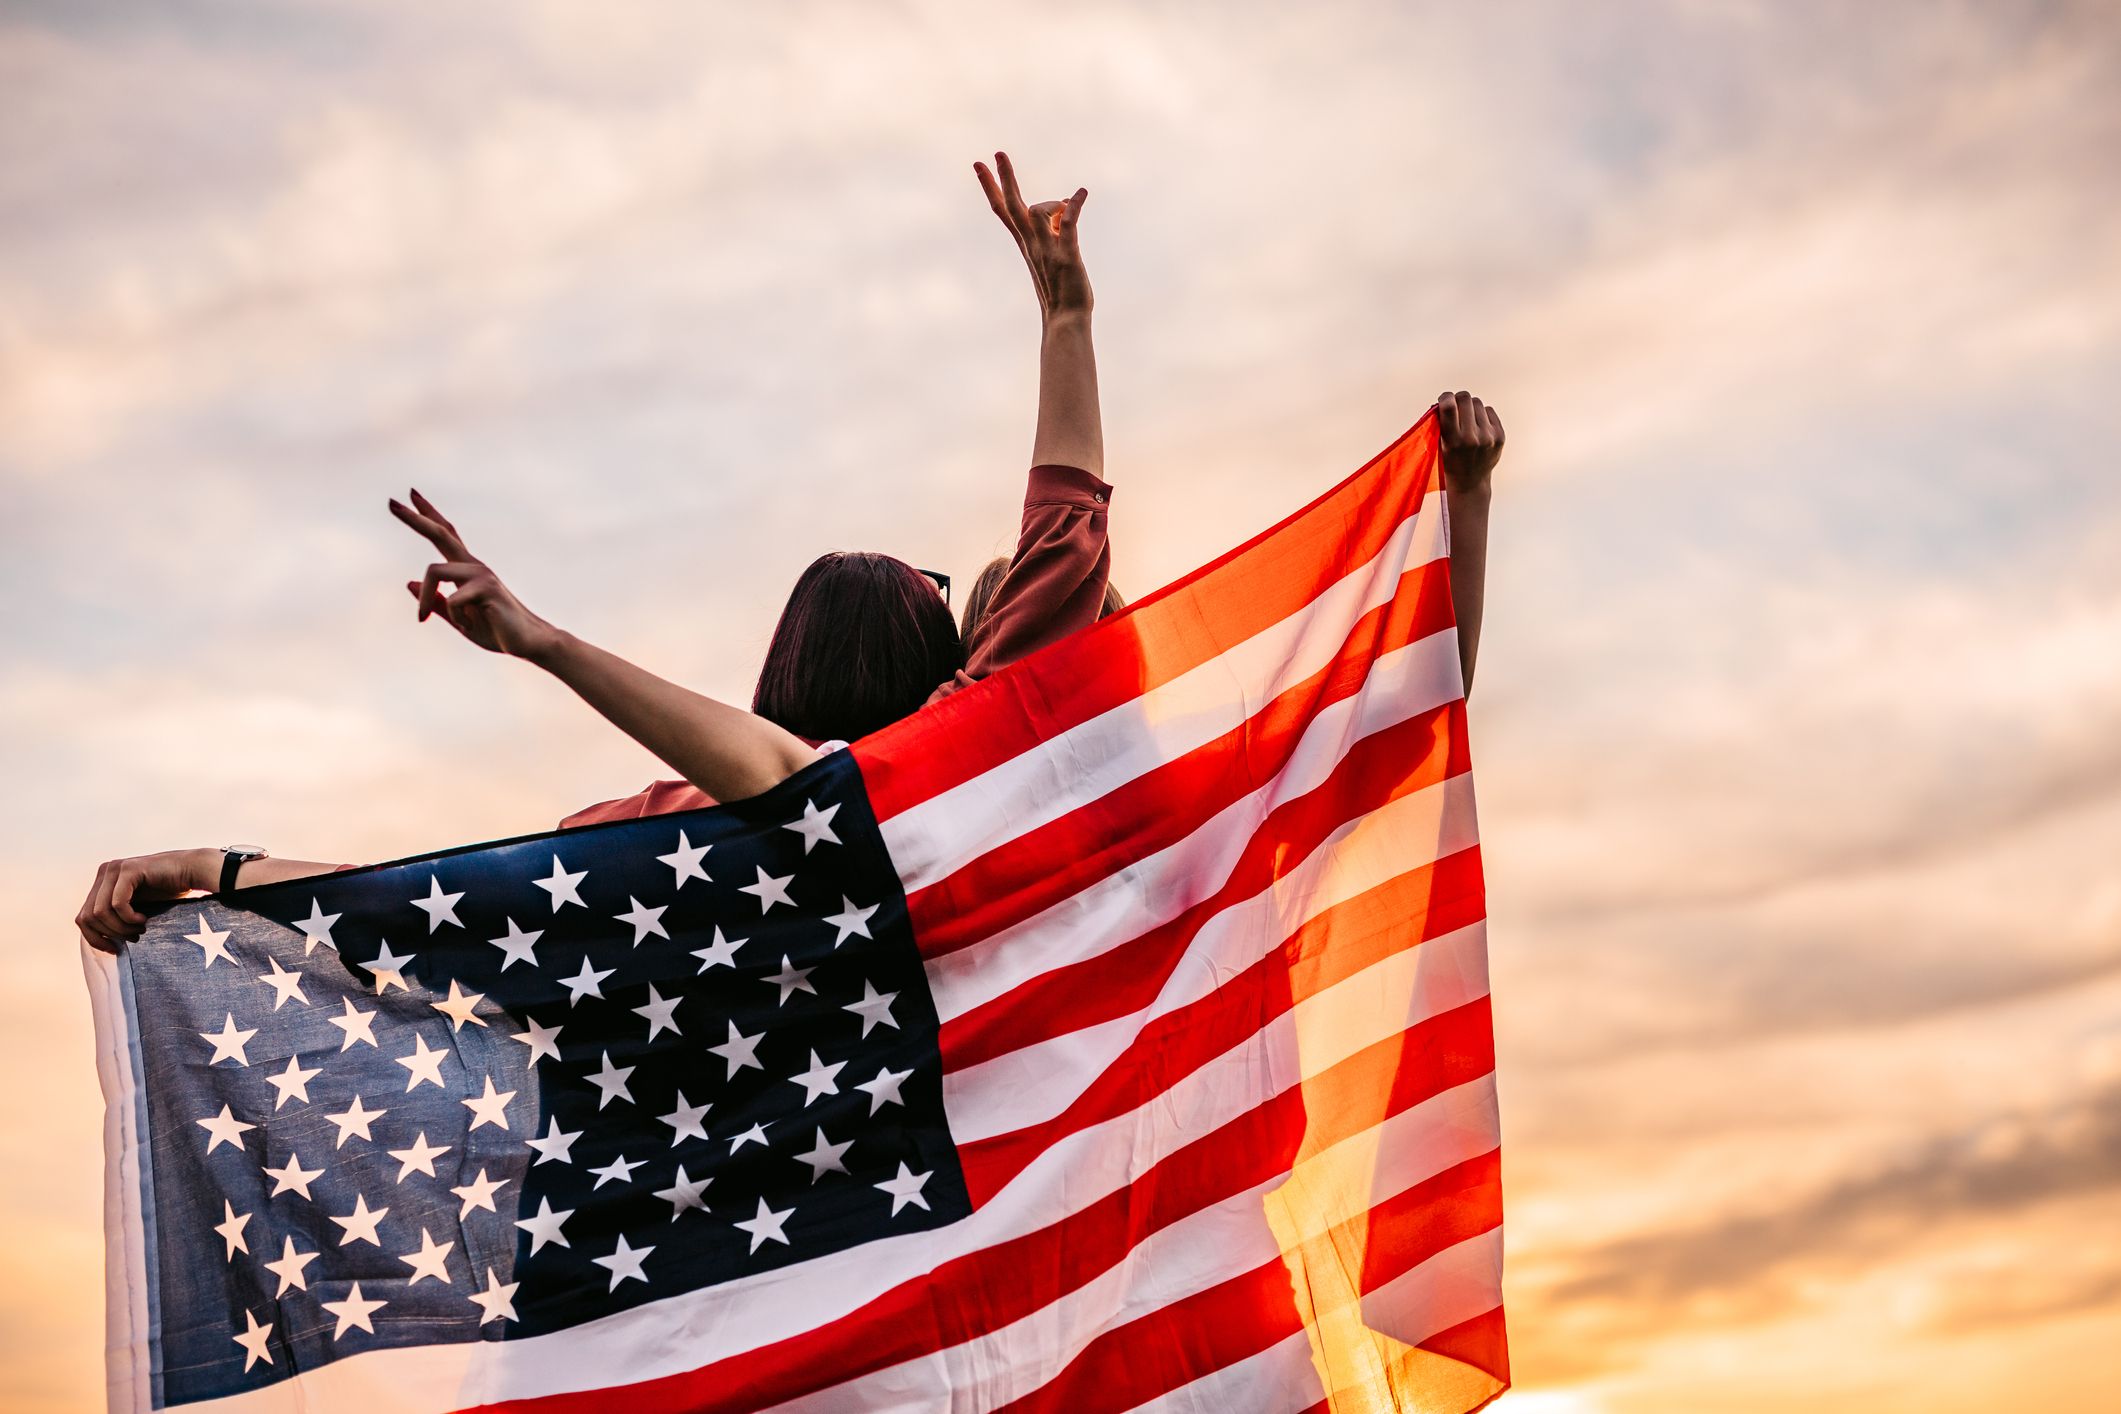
(1055, 585)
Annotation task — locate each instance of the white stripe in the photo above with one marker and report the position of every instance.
(686, 1331)
(1189, 1256)
(1130, 901)
(935, 838)
(128, 1371)
(1457, 1284)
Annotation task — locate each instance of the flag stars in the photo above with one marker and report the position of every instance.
(358, 1025)
(517, 946)
(791, 979)
(660, 1013)
(685, 1193)
(478, 1194)
(231, 1229)
(740, 1051)
(428, 1261)
(647, 922)
(874, 1008)
(439, 907)
(293, 1082)
(256, 1341)
(611, 1079)
(498, 1301)
(224, 1128)
(619, 1170)
(851, 922)
(355, 1120)
(625, 1263)
(586, 983)
(906, 1188)
(767, 1225)
(291, 1269)
(352, 1312)
(229, 1042)
(544, 1226)
(489, 1108)
(421, 1156)
(884, 1089)
(317, 928)
(544, 1041)
(564, 887)
(769, 891)
(460, 1006)
(387, 968)
(820, 1079)
(720, 953)
(212, 945)
(292, 1177)
(684, 1121)
(425, 1063)
(816, 825)
(286, 986)
(826, 1157)
(685, 861)
(754, 1135)
(360, 1224)
(556, 1146)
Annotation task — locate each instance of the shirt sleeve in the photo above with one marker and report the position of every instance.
(1056, 580)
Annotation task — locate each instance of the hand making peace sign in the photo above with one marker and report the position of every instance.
(481, 607)
(1045, 233)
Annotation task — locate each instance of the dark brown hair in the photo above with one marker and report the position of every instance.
(862, 642)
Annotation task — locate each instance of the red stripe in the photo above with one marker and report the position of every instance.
(982, 1292)
(1404, 911)
(1125, 979)
(1482, 1342)
(1202, 1333)
(1154, 640)
(1031, 873)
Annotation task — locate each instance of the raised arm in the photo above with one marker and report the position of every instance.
(1070, 431)
(1470, 434)
(725, 751)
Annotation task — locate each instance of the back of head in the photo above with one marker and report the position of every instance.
(862, 642)
(979, 600)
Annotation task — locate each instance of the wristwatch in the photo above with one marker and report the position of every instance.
(234, 857)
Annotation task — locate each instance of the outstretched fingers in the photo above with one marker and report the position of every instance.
(430, 523)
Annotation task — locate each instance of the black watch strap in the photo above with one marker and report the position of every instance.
(233, 858)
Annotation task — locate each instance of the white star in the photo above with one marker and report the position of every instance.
(884, 1090)
(767, 1225)
(287, 986)
(685, 1193)
(360, 1224)
(770, 891)
(317, 928)
(478, 1194)
(293, 1178)
(439, 907)
(353, 1311)
(685, 1121)
(740, 1051)
(490, 1108)
(660, 1012)
(459, 1006)
(517, 946)
(498, 1301)
(229, 1042)
(906, 1188)
(355, 1120)
(231, 1229)
(254, 1341)
(816, 825)
(619, 1170)
(428, 1261)
(647, 922)
(874, 1007)
(356, 1023)
(420, 1156)
(543, 1041)
(290, 1269)
(612, 1081)
(563, 888)
(720, 953)
(585, 983)
(544, 1226)
(754, 1135)
(558, 1144)
(424, 1063)
(685, 861)
(820, 1079)
(225, 1129)
(791, 979)
(213, 945)
(851, 921)
(293, 1082)
(826, 1157)
(624, 1263)
(388, 968)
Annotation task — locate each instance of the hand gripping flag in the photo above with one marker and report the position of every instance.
(1111, 1035)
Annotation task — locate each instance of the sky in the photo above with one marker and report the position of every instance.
(1798, 722)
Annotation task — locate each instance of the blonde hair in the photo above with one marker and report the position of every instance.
(979, 599)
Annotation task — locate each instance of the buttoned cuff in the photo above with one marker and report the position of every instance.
(1055, 485)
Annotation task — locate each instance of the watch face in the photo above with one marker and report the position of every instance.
(245, 851)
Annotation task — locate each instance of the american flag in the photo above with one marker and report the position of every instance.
(1111, 1035)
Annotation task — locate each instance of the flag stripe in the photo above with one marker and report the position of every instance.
(1121, 979)
(1049, 862)
(1177, 628)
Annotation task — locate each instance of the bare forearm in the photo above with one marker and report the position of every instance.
(726, 751)
(1071, 430)
(1469, 568)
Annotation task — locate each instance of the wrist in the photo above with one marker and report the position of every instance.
(200, 868)
(551, 649)
(1069, 317)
